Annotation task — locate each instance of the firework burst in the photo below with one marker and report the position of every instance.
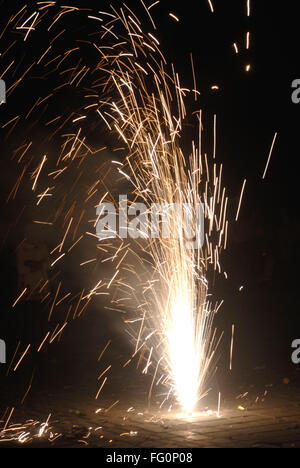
(130, 88)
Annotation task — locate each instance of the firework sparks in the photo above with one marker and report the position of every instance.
(231, 346)
(176, 304)
(240, 201)
(248, 40)
(140, 100)
(235, 46)
(211, 6)
(270, 155)
(248, 7)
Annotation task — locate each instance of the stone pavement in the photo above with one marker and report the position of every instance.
(269, 418)
(260, 402)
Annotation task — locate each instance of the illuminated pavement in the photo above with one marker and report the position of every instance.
(260, 407)
(255, 420)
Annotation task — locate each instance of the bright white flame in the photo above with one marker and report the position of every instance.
(182, 351)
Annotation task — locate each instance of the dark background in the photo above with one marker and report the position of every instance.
(263, 250)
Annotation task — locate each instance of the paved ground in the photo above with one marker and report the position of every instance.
(251, 416)
(276, 424)
(260, 406)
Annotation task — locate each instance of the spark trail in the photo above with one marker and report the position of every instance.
(125, 85)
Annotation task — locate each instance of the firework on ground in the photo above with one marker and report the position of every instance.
(128, 88)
